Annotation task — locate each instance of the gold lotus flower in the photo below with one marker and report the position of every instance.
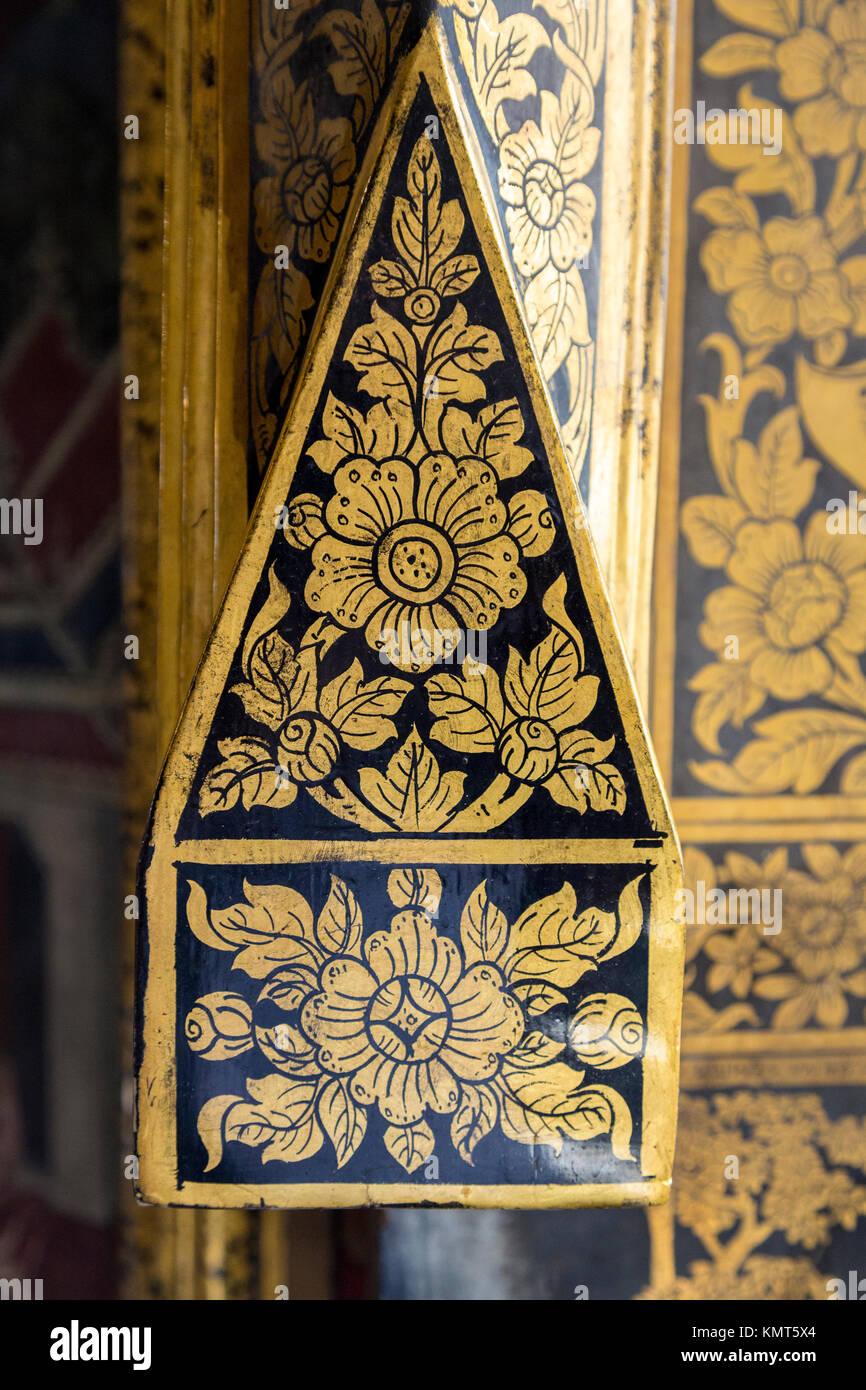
(827, 73)
(794, 599)
(409, 1027)
(781, 280)
(549, 212)
(415, 552)
(300, 206)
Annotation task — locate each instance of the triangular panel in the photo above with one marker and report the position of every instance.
(409, 890)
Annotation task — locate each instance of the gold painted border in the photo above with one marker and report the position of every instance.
(627, 423)
(544, 1197)
(664, 600)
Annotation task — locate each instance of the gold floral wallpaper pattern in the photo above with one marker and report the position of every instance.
(761, 607)
(789, 586)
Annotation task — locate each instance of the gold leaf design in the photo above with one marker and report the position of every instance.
(384, 432)
(559, 944)
(361, 44)
(248, 771)
(411, 887)
(361, 709)
(338, 928)
(308, 159)
(493, 435)
(414, 795)
(795, 749)
(539, 996)
(474, 1119)
(469, 708)
(385, 353)
(496, 54)
(344, 1122)
(802, 629)
(484, 931)
(411, 1145)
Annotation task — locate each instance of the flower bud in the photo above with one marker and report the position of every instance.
(422, 306)
(308, 748)
(528, 750)
(219, 1026)
(303, 523)
(606, 1032)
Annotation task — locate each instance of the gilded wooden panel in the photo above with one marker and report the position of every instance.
(405, 995)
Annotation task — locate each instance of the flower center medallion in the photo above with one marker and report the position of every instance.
(789, 274)
(544, 192)
(416, 562)
(408, 1019)
(806, 602)
(822, 926)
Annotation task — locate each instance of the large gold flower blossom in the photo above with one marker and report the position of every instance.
(406, 1020)
(415, 552)
(409, 1027)
(794, 598)
(781, 280)
(550, 211)
(300, 205)
(827, 73)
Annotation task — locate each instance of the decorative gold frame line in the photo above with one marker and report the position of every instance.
(412, 851)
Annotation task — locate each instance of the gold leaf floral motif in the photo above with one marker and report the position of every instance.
(542, 168)
(799, 1177)
(813, 970)
(414, 794)
(414, 546)
(532, 719)
(403, 1022)
(308, 157)
(415, 552)
(419, 540)
(794, 600)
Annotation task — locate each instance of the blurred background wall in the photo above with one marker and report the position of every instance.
(61, 741)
